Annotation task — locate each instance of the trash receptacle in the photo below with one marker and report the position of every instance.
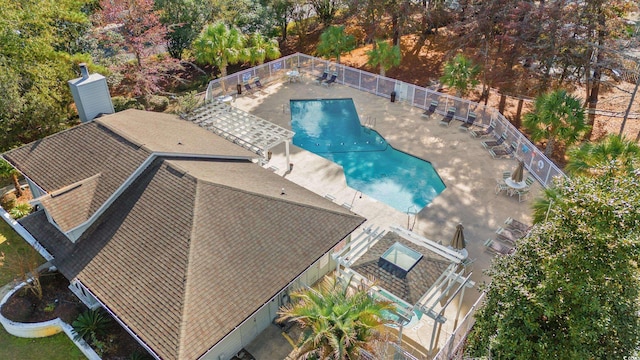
(239, 89)
(393, 96)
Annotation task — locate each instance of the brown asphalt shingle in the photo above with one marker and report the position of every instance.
(183, 259)
(418, 280)
(108, 149)
(56, 243)
(77, 154)
(71, 206)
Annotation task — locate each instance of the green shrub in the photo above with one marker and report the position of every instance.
(90, 324)
(20, 210)
(188, 102)
(156, 103)
(122, 103)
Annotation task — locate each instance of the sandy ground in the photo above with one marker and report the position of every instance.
(422, 65)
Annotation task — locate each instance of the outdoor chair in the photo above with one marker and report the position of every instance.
(323, 77)
(499, 248)
(492, 143)
(502, 152)
(523, 194)
(469, 123)
(257, 83)
(482, 133)
(431, 109)
(248, 87)
(506, 174)
(446, 120)
(501, 186)
(333, 78)
(529, 181)
(517, 225)
(508, 235)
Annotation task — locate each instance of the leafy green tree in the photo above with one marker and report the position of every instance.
(570, 290)
(589, 158)
(325, 9)
(335, 42)
(557, 116)
(337, 320)
(184, 19)
(542, 204)
(384, 55)
(220, 45)
(260, 49)
(461, 74)
(187, 103)
(281, 11)
(34, 95)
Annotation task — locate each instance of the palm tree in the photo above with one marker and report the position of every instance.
(384, 55)
(542, 205)
(557, 116)
(220, 46)
(461, 74)
(337, 320)
(261, 49)
(8, 172)
(334, 42)
(588, 158)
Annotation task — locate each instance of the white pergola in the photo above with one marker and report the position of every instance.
(240, 127)
(452, 282)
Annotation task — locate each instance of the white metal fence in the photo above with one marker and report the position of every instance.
(453, 349)
(541, 167)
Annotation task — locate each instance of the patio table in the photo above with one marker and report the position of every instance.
(514, 186)
(293, 75)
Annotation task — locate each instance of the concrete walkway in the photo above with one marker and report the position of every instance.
(466, 168)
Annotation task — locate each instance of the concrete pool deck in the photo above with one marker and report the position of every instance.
(466, 168)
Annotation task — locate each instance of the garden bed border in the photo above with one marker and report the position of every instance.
(43, 329)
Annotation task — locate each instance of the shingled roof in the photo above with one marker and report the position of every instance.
(88, 163)
(195, 246)
(418, 280)
(75, 155)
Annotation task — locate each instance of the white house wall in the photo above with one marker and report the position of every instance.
(36, 191)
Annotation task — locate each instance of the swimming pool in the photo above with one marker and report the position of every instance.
(331, 128)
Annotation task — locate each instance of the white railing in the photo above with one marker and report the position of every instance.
(541, 167)
(453, 348)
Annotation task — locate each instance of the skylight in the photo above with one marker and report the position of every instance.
(399, 260)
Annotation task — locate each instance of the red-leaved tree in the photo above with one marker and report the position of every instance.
(140, 38)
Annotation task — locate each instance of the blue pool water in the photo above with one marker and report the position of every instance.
(331, 128)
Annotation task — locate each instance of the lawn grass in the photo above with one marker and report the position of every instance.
(11, 244)
(11, 347)
(57, 347)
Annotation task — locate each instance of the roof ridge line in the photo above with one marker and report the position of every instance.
(132, 178)
(277, 198)
(69, 187)
(127, 138)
